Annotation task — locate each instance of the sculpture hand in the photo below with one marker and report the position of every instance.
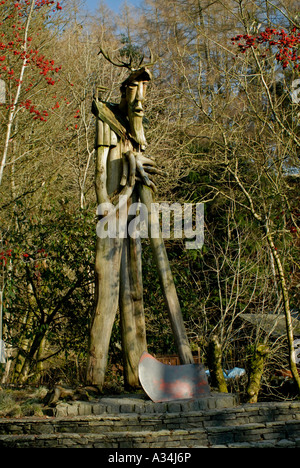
(136, 166)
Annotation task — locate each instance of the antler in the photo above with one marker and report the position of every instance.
(120, 63)
(152, 59)
(129, 65)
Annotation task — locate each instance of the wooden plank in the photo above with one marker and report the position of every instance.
(106, 135)
(113, 138)
(101, 110)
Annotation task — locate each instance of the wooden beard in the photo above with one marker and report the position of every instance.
(137, 128)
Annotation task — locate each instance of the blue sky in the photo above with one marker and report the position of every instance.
(112, 4)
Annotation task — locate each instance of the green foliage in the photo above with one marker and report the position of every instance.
(49, 292)
(130, 50)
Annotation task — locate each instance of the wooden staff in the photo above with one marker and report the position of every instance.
(166, 278)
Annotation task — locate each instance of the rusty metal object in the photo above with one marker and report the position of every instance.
(163, 382)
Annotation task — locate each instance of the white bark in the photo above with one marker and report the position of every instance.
(13, 109)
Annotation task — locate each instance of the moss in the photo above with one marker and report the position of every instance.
(256, 369)
(21, 403)
(215, 365)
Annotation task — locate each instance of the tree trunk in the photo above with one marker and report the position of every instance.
(40, 363)
(24, 374)
(23, 346)
(256, 369)
(215, 365)
(286, 308)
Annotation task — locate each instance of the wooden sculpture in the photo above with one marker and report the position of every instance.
(124, 172)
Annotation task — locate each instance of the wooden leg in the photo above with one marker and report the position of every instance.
(132, 311)
(107, 269)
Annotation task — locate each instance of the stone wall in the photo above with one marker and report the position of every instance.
(141, 405)
(260, 425)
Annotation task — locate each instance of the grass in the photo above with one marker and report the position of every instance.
(22, 403)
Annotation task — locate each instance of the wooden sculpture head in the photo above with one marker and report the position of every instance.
(133, 91)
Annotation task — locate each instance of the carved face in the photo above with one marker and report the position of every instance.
(135, 96)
